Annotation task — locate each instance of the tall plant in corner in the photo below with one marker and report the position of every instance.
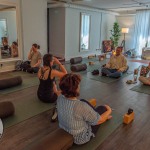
(115, 34)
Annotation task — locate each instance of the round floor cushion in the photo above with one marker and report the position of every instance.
(79, 67)
(10, 82)
(6, 109)
(75, 60)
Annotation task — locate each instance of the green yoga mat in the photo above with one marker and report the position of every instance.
(105, 79)
(141, 89)
(25, 109)
(23, 74)
(27, 82)
(103, 132)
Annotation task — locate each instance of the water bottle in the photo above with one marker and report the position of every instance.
(135, 74)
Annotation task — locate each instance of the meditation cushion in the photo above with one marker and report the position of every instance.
(6, 109)
(57, 140)
(75, 60)
(10, 82)
(77, 68)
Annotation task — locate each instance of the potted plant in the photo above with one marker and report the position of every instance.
(115, 34)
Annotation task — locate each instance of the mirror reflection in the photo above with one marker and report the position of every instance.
(85, 32)
(8, 33)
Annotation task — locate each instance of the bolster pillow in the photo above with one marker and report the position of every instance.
(77, 68)
(6, 109)
(75, 60)
(10, 82)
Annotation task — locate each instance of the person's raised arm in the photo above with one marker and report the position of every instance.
(62, 72)
(62, 68)
(30, 54)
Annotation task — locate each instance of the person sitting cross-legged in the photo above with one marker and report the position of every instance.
(76, 116)
(144, 79)
(116, 65)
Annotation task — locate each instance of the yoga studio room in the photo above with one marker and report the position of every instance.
(74, 74)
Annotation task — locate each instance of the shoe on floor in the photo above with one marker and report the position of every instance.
(95, 72)
(103, 74)
(54, 116)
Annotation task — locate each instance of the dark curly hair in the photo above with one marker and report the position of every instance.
(69, 84)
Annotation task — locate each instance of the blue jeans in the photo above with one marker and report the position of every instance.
(113, 73)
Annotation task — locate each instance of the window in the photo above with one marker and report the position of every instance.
(3, 29)
(85, 32)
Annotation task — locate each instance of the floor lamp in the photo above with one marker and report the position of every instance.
(124, 31)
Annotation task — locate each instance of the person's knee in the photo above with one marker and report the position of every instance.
(101, 109)
(140, 78)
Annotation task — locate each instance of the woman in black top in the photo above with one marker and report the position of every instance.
(47, 90)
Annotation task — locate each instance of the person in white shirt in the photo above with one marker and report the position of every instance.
(116, 65)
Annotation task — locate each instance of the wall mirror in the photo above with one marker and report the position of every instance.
(8, 33)
(84, 32)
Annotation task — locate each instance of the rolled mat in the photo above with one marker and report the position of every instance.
(10, 82)
(75, 60)
(77, 68)
(6, 109)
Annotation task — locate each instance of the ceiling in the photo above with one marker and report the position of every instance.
(113, 5)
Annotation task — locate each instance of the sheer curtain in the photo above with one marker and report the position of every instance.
(142, 30)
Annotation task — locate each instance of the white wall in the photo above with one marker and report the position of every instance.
(127, 21)
(57, 31)
(72, 29)
(107, 25)
(99, 30)
(10, 17)
(34, 22)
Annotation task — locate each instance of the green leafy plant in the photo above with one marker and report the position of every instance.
(115, 34)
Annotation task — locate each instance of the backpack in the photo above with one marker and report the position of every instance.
(25, 65)
(18, 65)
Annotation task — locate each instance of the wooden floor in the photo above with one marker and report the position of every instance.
(135, 136)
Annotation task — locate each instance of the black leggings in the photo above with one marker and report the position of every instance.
(47, 99)
(100, 110)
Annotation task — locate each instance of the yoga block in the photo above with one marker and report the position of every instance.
(77, 68)
(57, 140)
(75, 60)
(91, 63)
(91, 56)
(128, 118)
(10, 82)
(6, 109)
(93, 102)
(102, 57)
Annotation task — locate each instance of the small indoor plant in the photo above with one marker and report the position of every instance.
(115, 34)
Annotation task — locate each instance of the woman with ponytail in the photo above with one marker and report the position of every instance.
(47, 90)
